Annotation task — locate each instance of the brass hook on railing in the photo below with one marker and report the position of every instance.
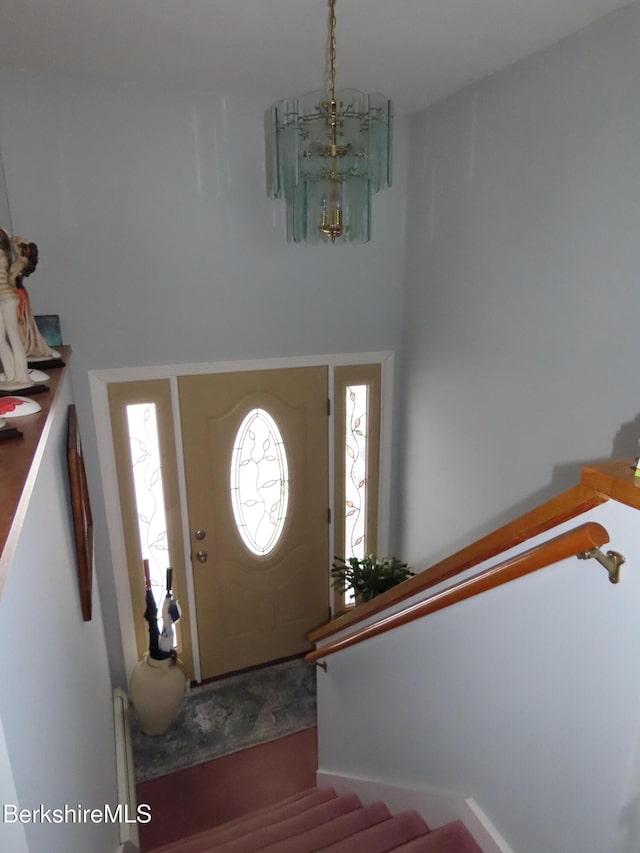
(612, 561)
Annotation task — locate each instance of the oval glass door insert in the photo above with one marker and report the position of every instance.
(259, 482)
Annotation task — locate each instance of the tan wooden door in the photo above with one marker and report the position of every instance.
(255, 449)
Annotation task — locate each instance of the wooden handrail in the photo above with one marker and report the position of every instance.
(571, 543)
(548, 515)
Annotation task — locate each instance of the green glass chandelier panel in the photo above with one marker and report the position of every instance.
(327, 163)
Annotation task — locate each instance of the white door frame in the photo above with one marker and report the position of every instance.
(98, 382)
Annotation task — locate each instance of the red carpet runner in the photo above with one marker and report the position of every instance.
(321, 820)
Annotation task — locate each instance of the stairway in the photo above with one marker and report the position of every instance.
(321, 820)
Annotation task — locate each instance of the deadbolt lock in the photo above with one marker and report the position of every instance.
(200, 534)
(202, 556)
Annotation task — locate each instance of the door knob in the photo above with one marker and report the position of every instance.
(202, 556)
(200, 534)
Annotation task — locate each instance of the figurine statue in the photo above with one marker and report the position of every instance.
(12, 352)
(25, 260)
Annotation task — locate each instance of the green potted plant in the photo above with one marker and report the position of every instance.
(369, 576)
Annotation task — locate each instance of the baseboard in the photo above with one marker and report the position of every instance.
(436, 808)
(129, 837)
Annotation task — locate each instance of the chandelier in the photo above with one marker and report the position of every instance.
(327, 153)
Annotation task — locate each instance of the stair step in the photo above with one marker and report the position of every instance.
(293, 827)
(299, 795)
(383, 836)
(210, 838)
(332, 831)
(453, 837)
(320, 821)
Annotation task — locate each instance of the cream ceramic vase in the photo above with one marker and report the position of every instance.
(156, 690)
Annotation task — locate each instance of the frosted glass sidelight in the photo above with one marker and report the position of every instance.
(355, 489)
(146, 469)
(259, 482)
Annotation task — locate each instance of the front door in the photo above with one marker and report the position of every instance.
(256, 465)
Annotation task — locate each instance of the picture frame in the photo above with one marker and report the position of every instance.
(49, 327)
(81, 511)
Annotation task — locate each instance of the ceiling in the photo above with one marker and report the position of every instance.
(414, 51)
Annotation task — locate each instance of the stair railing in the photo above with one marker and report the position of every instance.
(612, 479)
(583, 541)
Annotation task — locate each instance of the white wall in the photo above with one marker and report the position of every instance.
(526, 699)
(56, 706)
(158, 244)
(521, 311)
(522, 291)
(5, 213)
(13, 837)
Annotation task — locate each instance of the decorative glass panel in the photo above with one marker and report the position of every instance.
(259, 482)
(355, 490)
(147, 483)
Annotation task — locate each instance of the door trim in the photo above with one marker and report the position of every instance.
(98, 382)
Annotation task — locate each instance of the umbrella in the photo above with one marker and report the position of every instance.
(151, 615)
(170, 615)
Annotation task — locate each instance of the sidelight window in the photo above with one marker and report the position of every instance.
(355, 470)
(357, 462)
(146, 471)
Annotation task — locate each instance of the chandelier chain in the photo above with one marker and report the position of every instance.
(332, 49)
